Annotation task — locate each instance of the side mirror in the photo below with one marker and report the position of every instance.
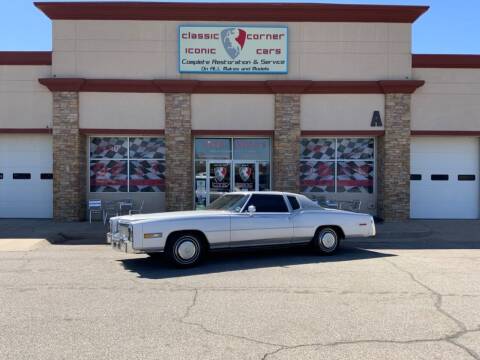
(251, 210)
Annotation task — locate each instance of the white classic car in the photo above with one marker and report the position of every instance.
(239, 219)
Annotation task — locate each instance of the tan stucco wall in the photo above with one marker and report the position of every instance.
(340, 112)
(122, 110)
(148, 49)
(449, 100)
(24, 103)
(237, 112)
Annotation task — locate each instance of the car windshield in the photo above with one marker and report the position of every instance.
(232, 202)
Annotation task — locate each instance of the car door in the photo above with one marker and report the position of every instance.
(270, 224)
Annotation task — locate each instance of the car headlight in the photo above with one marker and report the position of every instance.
(113, 226)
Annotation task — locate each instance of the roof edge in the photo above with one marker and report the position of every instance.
(295, 12)
(446, 61)
(231, 86)
(25, 58)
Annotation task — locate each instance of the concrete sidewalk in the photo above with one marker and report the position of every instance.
(424, 234)
(52, 232)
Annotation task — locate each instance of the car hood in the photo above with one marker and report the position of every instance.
(170, 215)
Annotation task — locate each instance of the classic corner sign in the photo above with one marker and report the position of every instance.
(233, 49)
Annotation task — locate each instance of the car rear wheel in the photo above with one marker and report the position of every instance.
(326, 240)
(185, 250)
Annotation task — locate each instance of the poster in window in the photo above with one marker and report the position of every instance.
(245, 177)
(108, 176)
(108, 148)
(317, 176)
(220, 177)
(355, 176)
(147, 176)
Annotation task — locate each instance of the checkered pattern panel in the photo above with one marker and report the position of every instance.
(147, 176)
(317, 176)
(319, 149)
(361, 149)
(108, 148)
(147, 148)
(355, 176)
(108, 176)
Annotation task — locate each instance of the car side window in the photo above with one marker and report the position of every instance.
(268, 203)
(293, 202)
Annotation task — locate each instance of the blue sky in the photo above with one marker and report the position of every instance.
(450, 26)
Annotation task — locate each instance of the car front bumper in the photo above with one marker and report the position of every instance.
(120, 244)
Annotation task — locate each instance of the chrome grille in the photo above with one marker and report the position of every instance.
(124, 231)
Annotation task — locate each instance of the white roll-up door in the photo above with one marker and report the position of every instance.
(26, 189)
(445, 178)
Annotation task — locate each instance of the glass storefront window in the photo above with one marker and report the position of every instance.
(317, 176)
(337, 165)
(355, 176)
(109, 148)
(361, 149)
(264, 176)
(317, 149)
(200, 184)
(108, 176)
(141, 168)
(218, 149)
(147, 176)
(251, 149)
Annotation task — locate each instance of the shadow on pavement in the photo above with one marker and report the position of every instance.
(159, 268)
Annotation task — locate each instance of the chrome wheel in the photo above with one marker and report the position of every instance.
(185, 250)
(327, 240)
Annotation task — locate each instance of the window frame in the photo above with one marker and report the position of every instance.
(290, 203)
(245, 208)
(336, 160)
(127, 160)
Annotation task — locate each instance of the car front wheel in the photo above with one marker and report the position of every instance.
(185, 250)
(326, 240)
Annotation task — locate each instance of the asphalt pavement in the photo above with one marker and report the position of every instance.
(416, 297)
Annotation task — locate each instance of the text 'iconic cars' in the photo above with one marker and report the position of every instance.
(235, 220)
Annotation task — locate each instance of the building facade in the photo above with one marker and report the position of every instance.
(175, 104)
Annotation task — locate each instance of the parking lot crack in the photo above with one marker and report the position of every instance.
(188, 311)
(450, 339)
(438, 301)
(438, 298)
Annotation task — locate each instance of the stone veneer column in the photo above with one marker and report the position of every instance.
(393, 159)
(179, 162)
(69, 159)
(286, 143)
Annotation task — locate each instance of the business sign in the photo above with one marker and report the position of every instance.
(233, 49)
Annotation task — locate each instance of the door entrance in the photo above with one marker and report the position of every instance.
(225, 164)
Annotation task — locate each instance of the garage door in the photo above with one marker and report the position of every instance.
(26, 176)
(445, 178)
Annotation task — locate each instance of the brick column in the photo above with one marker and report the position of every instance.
(393, 160)
(286, 143)
(179, 162)
(69, 159)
